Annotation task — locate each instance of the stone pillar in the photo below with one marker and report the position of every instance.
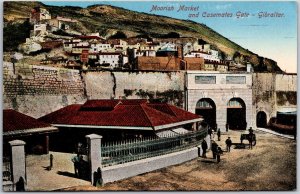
(221, 117)
(18, 160)
(94, 157)
(46, 144)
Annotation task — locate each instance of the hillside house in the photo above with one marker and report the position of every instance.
(112, 60)
(202, 46)
(60, 23)
(212, 55)
(39, 14)
(69, 44)
(118, 44)
(40, 30)
(117, 120)
(101, 47)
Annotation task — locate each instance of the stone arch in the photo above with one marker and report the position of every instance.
(261, 119)
(206, 107)
(236, 114)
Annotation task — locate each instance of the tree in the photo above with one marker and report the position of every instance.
(172, 35)
(15, 34)
(118, 35)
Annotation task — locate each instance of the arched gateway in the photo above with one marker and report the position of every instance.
(261, 119)
(236, 114)
(207, 108)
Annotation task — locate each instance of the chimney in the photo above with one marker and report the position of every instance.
(180, 51)
(249, 68)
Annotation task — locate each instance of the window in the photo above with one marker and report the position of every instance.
(235, 79)
(205, 79)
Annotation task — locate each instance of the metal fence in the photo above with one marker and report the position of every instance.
(6, 169)
(130, 150)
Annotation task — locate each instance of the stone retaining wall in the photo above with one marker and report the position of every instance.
(38, 90)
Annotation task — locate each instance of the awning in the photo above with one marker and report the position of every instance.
(173, 132)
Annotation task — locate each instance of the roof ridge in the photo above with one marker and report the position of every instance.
(165, 104)
(152, 125)
(161, 112)
(168, 105)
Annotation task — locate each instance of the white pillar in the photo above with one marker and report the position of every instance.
(94, 144)
(18, 160)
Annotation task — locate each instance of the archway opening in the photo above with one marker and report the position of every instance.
(207, 108)
(236, 114)
(261, 119)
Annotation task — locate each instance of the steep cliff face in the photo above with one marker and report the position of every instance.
(107, 20)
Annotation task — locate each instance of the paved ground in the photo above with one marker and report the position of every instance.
(270, 165)
(61, 176)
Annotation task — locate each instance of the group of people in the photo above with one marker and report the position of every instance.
(215, 148)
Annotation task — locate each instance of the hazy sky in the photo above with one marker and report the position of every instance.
(270, 37)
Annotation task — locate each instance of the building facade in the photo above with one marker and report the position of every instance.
(221, 98)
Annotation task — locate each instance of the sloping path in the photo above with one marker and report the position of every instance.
(39, 178)
(275, 133)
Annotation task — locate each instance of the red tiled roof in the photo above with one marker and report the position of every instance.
(15, 121)
(88, 37)
(123, 113)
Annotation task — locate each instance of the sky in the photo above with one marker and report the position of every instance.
(270, 37)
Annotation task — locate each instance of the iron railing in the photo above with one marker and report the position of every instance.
(6, 169)
(130, 150)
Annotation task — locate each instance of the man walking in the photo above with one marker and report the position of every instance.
(204, 148)
(214, 149)
(228, 144)
(219, 134)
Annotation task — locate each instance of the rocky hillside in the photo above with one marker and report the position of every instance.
(107, 20)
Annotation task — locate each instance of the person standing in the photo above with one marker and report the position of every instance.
(219, 152)
(227, 127)
(214, 149)
(51, 161)
(250, 137)
(228, 144)
(204, 148)
(209, 131)
(219, 134)
(213, 134)
(76, 160)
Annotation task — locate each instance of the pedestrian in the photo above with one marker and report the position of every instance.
(228, 144)
(204, 148)
(219, 152)
(214, 149)
(20, 185)
(250, 137)
(79, 148)
(213, 134)
(51, 161)
(219, 134)
(81, 167)
(227, 127)
(209, 131)
(98, 181)
(76, 160)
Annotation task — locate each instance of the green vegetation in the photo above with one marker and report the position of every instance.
(118, 35)
(15, 34)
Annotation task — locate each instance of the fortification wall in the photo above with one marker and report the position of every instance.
(169, 86)
(38, 90)
(286, 92)
(274, 92)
